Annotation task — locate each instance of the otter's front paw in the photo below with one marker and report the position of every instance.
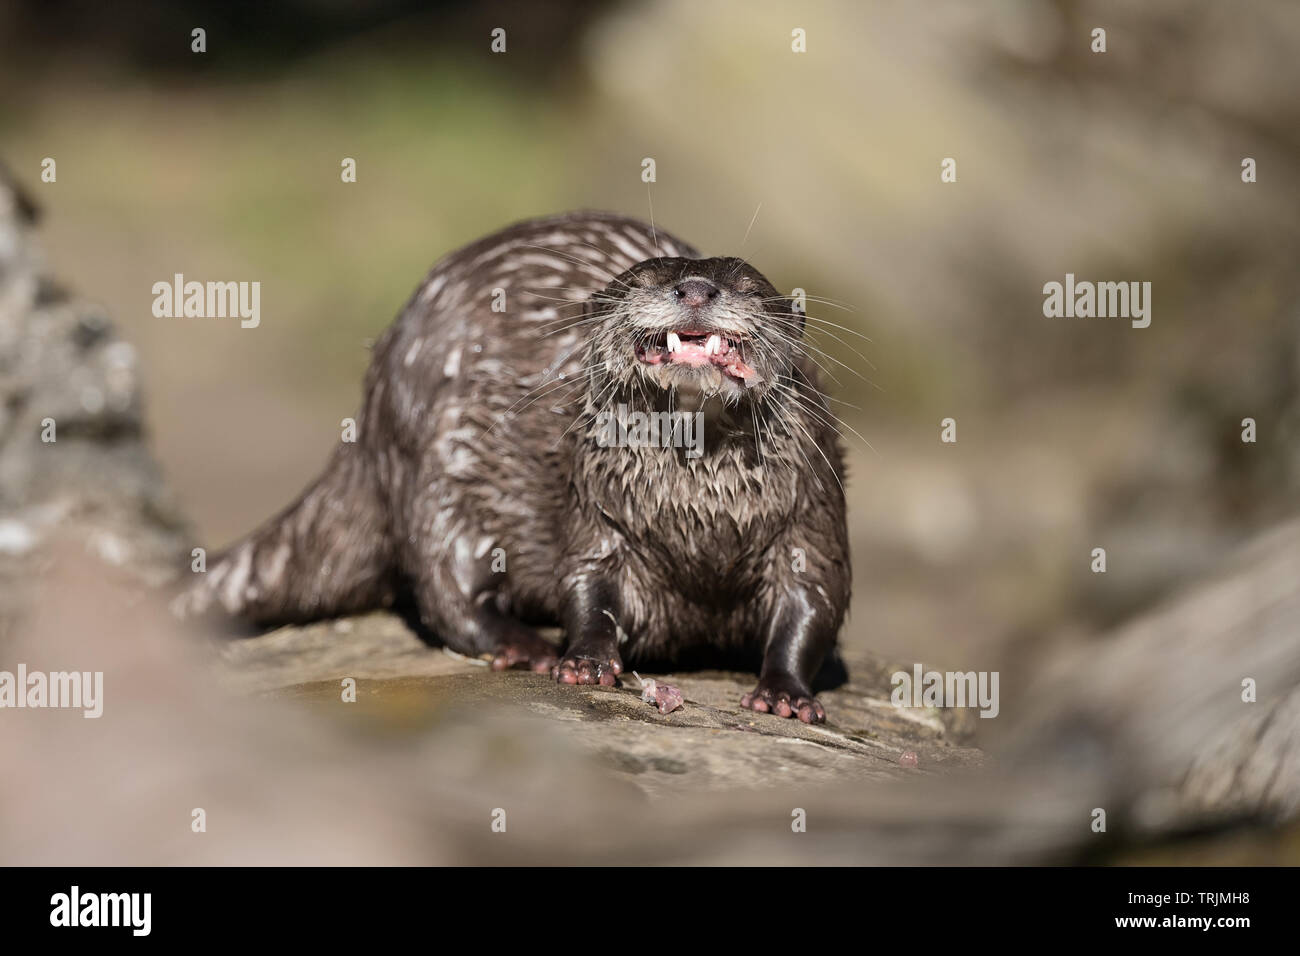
(582, 667)
(784, 697)
(524, 651)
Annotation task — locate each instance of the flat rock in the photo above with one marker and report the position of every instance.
(709, 743)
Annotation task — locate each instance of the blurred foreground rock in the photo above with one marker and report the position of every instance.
(66, 376)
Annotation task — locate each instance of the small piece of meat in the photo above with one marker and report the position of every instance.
(664, 696)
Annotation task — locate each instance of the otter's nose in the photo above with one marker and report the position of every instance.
(695, 292)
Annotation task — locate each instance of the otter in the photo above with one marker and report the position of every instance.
(487, 491)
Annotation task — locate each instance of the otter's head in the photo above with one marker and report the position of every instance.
(696, 327)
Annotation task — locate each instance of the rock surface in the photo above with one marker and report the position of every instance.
(710, 743)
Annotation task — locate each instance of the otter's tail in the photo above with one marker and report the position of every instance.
(326, 555)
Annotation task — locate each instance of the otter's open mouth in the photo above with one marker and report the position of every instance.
(697, 349)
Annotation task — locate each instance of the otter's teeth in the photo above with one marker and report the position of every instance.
(674, 342)
(713, 346)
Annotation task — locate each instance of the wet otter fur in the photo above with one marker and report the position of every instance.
(488, 489)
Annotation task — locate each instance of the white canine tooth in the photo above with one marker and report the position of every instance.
(714, 345)
(674, 342)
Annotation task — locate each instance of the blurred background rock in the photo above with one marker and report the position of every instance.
(1073, 434)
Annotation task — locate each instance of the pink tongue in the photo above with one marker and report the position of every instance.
(690, 354)
(694, 355)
